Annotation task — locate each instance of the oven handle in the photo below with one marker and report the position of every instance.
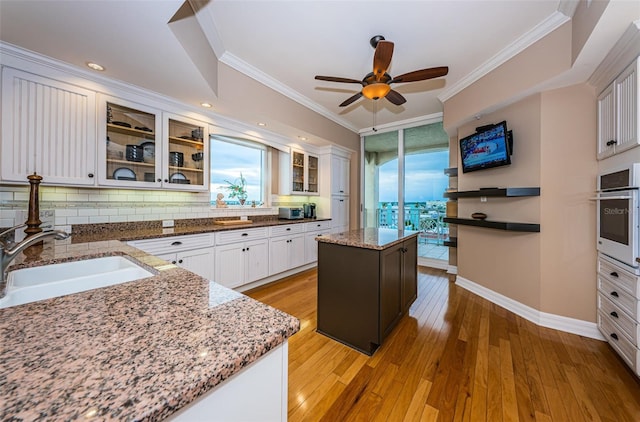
(604, 198)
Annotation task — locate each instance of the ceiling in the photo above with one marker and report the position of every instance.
(284, 44)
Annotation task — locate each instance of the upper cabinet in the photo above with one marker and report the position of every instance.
(145, 147)
(48, 127)
(618, 113)
(339, 175)
(299, 174)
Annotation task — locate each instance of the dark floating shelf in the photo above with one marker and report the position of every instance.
(451, 242)
(504, 192)
(451, 171)
(500, 225)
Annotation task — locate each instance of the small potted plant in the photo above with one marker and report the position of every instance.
(237, 189)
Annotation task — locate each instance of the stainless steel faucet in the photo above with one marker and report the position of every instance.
(8, 252)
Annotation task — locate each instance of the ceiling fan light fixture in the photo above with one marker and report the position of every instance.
(375, 91)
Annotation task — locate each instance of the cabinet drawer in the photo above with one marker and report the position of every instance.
(173, 243)
(620, 298)
(317, 225)
(618, 341)
(619, 317)
(286, 229)
(234, 236)
(619, 277)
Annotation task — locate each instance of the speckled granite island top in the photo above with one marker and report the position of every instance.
(370, 238)
(134, 351)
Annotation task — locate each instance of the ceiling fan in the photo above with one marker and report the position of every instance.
(377, 84)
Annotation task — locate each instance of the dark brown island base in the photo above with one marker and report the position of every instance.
(367, 280)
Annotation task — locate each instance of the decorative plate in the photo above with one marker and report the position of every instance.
(179, 178)
(124, 173)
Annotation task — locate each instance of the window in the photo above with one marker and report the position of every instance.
(232, 158)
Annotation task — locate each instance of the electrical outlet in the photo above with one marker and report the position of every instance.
(483, 199)
(243, 218)
(167, 223)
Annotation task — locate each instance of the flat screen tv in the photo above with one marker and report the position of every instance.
(487, 148)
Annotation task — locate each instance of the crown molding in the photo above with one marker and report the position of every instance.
(258, 75)
(623, 52)
(553, 22)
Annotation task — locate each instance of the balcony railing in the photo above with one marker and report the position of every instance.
(428, 222)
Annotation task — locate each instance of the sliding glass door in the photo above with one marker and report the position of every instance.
(404, 182)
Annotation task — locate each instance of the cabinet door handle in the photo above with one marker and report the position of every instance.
(176, 243)
(180, 262)
(288, 228)
(243, 249)
(614, 274)
(614, 336)
(173, 262)
(612, 142)
(245, 234)
(614, 294)
(614, 314)
(247, 248)
(90, 175)
(166, 180)
(159, 180)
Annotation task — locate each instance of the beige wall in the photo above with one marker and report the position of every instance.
(543, 60)
(584, 20)
(505, 262)
(569, 170)
(554, 147)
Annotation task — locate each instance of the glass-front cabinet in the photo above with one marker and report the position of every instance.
(147, 148)
(304, 173)
(186, 156)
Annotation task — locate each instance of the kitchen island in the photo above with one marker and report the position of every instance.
(149, 349)
(367, 280)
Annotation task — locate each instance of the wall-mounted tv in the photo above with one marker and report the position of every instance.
(487, 148)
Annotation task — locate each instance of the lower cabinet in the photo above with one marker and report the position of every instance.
(199, 261)
(241, 263)
(191, 252)
(312, 231)
(286, 248)
(619, 309)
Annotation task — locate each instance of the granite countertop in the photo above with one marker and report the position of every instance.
(370, 238)
(133, 351)
(139, 230)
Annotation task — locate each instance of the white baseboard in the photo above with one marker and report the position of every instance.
(557, 322)
(432, 263)
(452, 269)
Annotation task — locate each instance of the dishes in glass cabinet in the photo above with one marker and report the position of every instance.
(148, 151)
(124, 173)
(123, 124)
(179, 178)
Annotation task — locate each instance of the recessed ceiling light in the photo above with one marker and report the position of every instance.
(302, 138)
(207, 105)
(261, 124)
(95, 66)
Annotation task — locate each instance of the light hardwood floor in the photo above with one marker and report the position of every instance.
(456, 357)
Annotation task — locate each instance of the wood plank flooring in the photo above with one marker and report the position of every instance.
(456, 357)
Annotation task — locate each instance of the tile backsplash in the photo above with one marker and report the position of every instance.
(72, 206)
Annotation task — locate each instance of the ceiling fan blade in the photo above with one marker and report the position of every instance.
(351, 99)
(382, 58)
(337, 79)
(395, 97)
(421, 75)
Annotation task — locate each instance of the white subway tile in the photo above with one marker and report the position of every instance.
(60, 221)
(77, 220)
(77, 197)
(6, 196)
(98, 197)
(88, 212)
(134, 217)
(98, 219)
(108, 211)
(126, 211)
(66, 212)
(117, 218)
(7, 222)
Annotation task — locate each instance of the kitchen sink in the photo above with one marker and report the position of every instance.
(38, 283)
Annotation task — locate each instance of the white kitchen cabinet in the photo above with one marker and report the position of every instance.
(312, 230)
(148, 148)
(299, 173)
(286, 248)
(618, 113)
(242, 256)
(339, 175)
(241, 263)
(339, 214)
(191, 252)
(199, 261)
(48, 127)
